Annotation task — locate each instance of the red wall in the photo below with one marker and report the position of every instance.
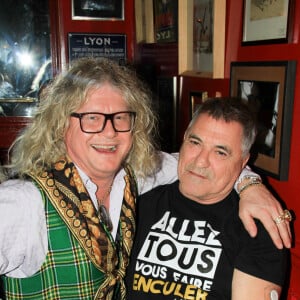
(289, 190)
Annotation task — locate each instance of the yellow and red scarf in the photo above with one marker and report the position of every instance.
(67, 193)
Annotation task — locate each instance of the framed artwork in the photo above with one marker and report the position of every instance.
(98, 10)
(267, 21)
(165, 13)
(269, 89)
(196, 99)
(201, 38)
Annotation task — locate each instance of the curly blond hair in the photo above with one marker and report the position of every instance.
(41, 144)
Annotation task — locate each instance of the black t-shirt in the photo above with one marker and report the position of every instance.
(186, 250)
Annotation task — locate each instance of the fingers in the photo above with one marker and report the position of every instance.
(278, 236)
(284, 216)
(285, 234)
(280, 233)
(249, 225)
(257, 202)
(282, 222)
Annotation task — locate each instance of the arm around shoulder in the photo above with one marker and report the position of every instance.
(257, 202)
(166, 174)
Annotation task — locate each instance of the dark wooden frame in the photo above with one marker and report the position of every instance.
(279, 74)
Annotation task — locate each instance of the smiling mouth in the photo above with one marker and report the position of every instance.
(197, 174)
(105, 148)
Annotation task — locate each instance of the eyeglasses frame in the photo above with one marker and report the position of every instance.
(107, 117)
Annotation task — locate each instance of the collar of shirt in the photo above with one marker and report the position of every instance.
(116, 195)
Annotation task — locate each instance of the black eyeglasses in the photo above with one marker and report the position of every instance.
(94, 122)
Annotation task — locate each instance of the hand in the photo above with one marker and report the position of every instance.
(257, 202)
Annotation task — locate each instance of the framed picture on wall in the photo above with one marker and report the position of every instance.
(267, 21)
(201, 38)
(98, 10)
(268, 87)
(165, 14)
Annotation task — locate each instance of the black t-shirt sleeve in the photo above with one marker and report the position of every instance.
(260, 258)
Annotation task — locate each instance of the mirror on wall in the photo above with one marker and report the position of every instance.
(25, 55)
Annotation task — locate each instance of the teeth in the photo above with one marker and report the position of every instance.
(111, 148)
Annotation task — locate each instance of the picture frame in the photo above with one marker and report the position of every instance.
(266, 22)
(109, 10)
(268, 86)
(196, 99)
(165, 18)
(201, 38)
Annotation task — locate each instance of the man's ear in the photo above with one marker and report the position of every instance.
(245, 160)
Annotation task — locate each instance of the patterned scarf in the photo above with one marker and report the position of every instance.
(67, 193)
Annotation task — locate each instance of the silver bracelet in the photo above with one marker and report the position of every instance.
(247, 176)
(252, 181)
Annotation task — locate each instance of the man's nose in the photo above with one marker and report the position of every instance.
(202, 158)
(108, 128)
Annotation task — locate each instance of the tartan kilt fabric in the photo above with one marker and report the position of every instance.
(67, 272)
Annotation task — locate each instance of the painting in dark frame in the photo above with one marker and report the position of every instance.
(269, 85)
(98, 10)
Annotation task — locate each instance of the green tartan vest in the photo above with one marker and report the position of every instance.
(59, 277)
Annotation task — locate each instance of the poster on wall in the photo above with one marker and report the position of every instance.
(110, 10)
(165, 20)
(111, 46)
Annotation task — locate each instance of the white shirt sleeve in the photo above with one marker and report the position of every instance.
(23, 233)
(245, 172)
(166, 174)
